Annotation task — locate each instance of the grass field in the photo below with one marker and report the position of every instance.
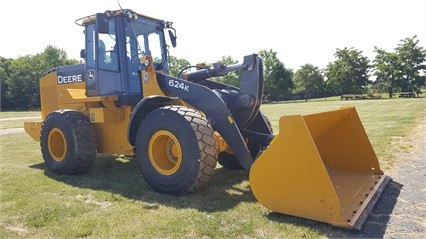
(10, 119)
(113, 200)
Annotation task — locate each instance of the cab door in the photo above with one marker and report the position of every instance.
(102, 65)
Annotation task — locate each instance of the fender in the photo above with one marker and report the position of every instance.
(144, 106)
(211, 103)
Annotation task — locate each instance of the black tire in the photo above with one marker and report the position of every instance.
(229, 161)
(176, 150)
(68, 142)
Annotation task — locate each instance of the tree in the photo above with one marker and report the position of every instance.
(278, 79)
(232, 78)
(386, 69)
(308, 80)
(403, 69)
(177, 65)
(4, 76)
(349, 73)
(412, 62)
(23, 89)
(53, 57)
(23, 82)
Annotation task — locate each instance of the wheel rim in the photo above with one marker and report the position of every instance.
(165, 152)
(57, 144)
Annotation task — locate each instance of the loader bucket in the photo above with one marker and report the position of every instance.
(320, 167)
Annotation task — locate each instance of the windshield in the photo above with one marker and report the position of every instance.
(145, 37)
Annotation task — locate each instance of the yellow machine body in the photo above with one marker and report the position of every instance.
(110, 122)
(321, 167)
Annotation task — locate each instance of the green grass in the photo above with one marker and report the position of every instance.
(113, 200)
(385, 120)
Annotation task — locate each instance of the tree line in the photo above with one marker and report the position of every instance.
(401, 70)
(20, 77)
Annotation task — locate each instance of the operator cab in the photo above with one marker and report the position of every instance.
(114, 43)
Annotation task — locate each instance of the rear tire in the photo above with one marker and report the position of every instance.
(176, 150)
(68, 142)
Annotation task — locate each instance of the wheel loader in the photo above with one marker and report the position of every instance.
(122, 100)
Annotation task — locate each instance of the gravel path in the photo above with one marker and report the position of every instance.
(408, 219)
(400, 213)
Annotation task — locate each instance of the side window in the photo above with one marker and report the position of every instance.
(154, 46)
(108, 49)
(132, 49)
(150, 45)
(143, 51)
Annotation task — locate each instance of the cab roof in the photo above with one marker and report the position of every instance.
(91, 18)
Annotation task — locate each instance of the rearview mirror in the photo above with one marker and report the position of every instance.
(172, 38)
(83, 53)
(101, 23)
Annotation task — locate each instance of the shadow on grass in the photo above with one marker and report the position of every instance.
(227, 189)
(121, 176)
(374, 227)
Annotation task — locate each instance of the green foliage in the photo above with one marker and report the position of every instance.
(53, 57)
(232, 78)
(20, 88)
(386, 66)
(403, 69)
(4, 76)
(308, 80)
(176, 65)
(23, 83)
(278, 79)
(413, 61)
(349, 73)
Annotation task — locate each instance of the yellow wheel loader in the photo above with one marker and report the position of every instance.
(122, 101)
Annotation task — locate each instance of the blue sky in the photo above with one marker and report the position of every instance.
(304, 31)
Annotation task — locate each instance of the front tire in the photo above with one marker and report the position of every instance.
(176, 150)
(68, 142)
